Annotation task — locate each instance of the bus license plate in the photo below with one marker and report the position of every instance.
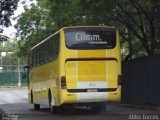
(92, 90)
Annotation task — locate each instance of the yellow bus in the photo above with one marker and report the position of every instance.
(78, 65)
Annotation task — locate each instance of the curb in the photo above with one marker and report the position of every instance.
(23, 87)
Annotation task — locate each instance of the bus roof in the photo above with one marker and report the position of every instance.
(87, 26)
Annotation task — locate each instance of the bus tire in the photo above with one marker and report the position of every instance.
(31, 97)
(49, 97)
(53, 109)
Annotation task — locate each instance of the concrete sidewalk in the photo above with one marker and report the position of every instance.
(13, 95)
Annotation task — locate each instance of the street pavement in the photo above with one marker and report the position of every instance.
(13, 95)
(14, 106)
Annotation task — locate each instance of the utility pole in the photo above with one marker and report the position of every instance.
(19, 73)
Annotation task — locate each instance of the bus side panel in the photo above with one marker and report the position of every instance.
(43, 78)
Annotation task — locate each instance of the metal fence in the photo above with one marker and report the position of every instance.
(9, 68)
(12, 75)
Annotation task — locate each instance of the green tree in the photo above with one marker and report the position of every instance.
(7, 8)
(137, 20)
(1, 48)
(141, 21)
(10, 46)
(33, 26)
(64, 12)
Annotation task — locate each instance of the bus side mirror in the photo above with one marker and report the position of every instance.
(26, 67)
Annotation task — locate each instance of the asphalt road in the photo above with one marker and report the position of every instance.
(14, 106)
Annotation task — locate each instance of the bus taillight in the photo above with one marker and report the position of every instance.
(119, 79)
(63, 82)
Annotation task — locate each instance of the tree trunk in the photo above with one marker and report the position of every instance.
(129, 56)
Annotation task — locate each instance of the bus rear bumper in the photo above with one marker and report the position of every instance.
(90, 97)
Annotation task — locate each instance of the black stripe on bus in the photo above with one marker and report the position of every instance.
(98, 90)
(89, 59)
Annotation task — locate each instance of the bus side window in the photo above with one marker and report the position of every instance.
(56, 45)
(37, 56)
(40, 60)
(48, 53)
(45, 54)
(42, 53)
(50, 49)
(53, 41)
(32, 58)
(37, 53)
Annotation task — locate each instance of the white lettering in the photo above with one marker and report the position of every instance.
(87, 37)
(78, 35)
(143, 117)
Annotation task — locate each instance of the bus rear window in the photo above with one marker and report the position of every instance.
(90, 38)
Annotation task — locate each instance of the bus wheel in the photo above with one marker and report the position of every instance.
(36, 106)
(53, 109)
(31, 97)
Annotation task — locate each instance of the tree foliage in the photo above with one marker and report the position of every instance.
(10, 46)
(33, 26)
(7, 8)
(137, 20)
(140, 18)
